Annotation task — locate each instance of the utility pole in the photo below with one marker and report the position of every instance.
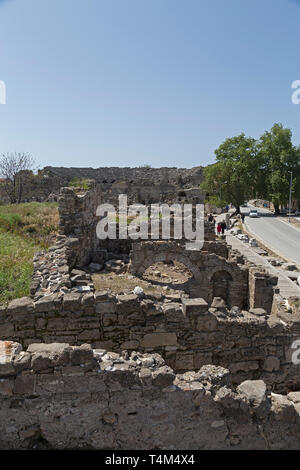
(290, 199)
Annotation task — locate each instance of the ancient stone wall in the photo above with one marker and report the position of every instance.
(187, 332)
(78, 222)
(143, 185)
(55, 396)
(213, 275)
(261, 289)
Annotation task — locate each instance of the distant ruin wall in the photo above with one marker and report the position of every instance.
(142, 184)
(60, 397)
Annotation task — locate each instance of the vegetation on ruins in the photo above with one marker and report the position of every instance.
(13, 169)
(24, 229)
(246, 168)
(79, 183)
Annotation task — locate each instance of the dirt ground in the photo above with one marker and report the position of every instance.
(160, 277)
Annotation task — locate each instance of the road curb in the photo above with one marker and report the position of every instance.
(269, 247)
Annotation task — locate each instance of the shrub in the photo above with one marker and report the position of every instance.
(10, 221)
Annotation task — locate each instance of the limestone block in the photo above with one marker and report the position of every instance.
(8, 351)
(283, 407)
(194, 306)
(24, 304)
(105, 307)
(294, 397)
(184, 361)
(154, 340)
(163, 377)
(254, 391)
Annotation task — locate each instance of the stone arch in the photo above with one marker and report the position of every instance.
(221, 284)
(166, 256)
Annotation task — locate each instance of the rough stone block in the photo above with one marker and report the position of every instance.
(6, 386)
(154, 340)
(184, 361)
(8, 351)
(272, 363)
(24, 304)
(254, 391)
(105, 307)
(89, 335)
(24, 384)
(72, 302)
(194, 306)
(81, 354)
(163, 377)
(206, 322)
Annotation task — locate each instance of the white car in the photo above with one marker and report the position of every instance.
(253, 213)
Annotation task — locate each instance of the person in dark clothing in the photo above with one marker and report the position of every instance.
(210, 218)
(223, 226)
(243, 217)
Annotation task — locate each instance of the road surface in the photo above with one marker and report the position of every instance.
(277, 235)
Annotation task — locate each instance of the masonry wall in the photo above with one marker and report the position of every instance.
(186, 332)
(209, 267)
(142, 184)
(62, 397)
(78, 222)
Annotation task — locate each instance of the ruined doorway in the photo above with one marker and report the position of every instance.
(221, 284)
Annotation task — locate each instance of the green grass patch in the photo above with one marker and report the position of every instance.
(81, 184)
(16, 265)
(24, 229)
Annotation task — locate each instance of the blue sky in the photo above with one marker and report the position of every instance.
(132, 82)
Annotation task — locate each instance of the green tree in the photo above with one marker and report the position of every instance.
(234, 177)
(279, 157)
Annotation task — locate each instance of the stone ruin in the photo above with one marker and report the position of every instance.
(144, 184)
(205, 366)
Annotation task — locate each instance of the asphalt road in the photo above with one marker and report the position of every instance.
(280, 236)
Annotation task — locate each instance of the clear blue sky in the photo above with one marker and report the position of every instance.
(132, 82)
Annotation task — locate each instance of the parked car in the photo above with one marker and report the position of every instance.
(297, 212)
(284, 211)
(253, 213)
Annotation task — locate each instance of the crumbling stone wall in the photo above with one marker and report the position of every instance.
(261, 289)
(78, 222)
(187, 332)
(144, 185)
(205, 265)
(54, 396)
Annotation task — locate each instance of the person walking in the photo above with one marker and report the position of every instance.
(219, 228)
(243, 218)
(223, 226)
